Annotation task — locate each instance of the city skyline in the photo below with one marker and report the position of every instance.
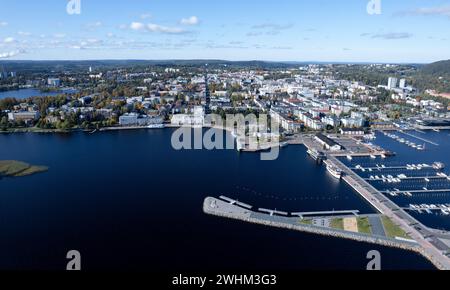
(322, 31)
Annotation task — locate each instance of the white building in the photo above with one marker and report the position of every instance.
(352, 122)
(328, 143)
(23, 116)
(54, 82)
(134, 119)
(195, 119)
(392, 83)
(331, 121)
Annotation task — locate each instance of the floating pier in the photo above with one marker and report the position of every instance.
(235, 202)
(417, 191)
(273, 212)
(420, 138)
(430, 208)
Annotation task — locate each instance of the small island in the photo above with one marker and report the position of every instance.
(13, 168)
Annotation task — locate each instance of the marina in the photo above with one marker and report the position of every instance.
(383, 178)
(406, 142)
(443, 209)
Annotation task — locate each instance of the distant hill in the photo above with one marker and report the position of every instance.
(62, 65)
(437, 68)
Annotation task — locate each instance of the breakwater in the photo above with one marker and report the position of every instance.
(215, 207)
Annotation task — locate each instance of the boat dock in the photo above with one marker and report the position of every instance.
(412, 178)
(400, 167)
(273, 212)
(419, 138)
(416, 191)
(444, 209)
(235, 202)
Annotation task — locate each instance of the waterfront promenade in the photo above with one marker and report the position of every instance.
(217, 207)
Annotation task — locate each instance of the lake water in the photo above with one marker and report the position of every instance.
(127, 201)
(28, 93)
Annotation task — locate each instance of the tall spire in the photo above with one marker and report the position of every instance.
(207, 93)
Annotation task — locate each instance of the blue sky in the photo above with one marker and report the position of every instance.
(282, 30)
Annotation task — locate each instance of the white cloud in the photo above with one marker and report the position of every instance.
(393, 35)
(151, 27)
(9, 54)
(273, 26)
(59, 35)
(137, 26)
(439, 11)
(270, 29)
(146, 16)
(94, 25)
(3, 23)
(193, 20)
(24, 33)
(9, 40)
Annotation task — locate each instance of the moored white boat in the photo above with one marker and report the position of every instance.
(334, 171)
(156, 126)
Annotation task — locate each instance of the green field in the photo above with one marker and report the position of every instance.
(306, 222)
(364, 226)
(12, 168)
(392, 230)
(337, 224)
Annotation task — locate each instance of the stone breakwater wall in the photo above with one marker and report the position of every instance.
(249, 217)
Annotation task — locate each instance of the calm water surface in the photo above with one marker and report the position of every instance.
(126, 200)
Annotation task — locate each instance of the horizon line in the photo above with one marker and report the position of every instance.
(216, 59)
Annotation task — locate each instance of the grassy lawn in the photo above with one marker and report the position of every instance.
(18, 169)
(392, 230)
(337, 224)
(306, 222)
(364, 226)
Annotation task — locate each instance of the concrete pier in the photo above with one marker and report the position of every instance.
(220, 208)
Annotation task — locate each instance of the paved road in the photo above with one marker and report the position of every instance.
(377, 226)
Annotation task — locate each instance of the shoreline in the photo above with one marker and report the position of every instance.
(118, 128)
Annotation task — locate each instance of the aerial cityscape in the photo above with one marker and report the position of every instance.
(263, 141)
